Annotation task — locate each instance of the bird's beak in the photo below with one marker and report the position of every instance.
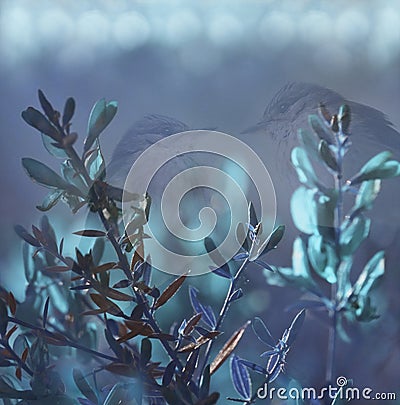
(261, 126)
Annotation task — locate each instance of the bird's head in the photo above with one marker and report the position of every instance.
(290, 107)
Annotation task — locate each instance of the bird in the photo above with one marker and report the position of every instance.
(371, 132)
(145, 133)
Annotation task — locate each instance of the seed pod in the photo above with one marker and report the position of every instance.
(344, 118)
(334, 123)
(324, 113)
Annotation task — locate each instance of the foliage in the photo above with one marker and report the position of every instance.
(332, 237)
(73, 310)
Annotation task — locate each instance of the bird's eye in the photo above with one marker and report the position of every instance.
(283, 107)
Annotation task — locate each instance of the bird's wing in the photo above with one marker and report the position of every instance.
(372, 126)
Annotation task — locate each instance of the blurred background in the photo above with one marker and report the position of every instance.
(210, 64)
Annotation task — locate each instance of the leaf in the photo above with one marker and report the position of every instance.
(310, 142)
(91, 233)
(168, 373)
(322, 258)
(123, 284)
(325, 214)
(50, 200)
(12, 303)
(3, 318)
(43, 175)
(47, 107)
(84, 386)
(295, 327)
(191, 323)
(240, 378)
(322, 130)
(262, 332)
(26, 236)
(353, 234)
(378, 167)
(328, 156)
(139, 327)
(101, 115)
(216, 256)
(205, 382)
(303, 210)
(48, 143)
(344, 117)
(95, 165)
(190, 365)
(236, 295)
(373, 270)
(69, 110)
(206, 311)
(222, 271)
(202, 340)
(72, 177)
(145, 351)
(367, 194)
(274, 239)
(228, 348)
(106, 305)
(46, 312)
(170, 291)
(37, 120)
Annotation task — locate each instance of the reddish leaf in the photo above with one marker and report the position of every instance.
(106, 305)
(25, 354)
(170, 291)
(90, 233)
(57, 269)
(121, 369)
(118, 295)
(11, 331)
(12, 303)
(199, 342)
(104, 267)
(228, 348)
(193, 321)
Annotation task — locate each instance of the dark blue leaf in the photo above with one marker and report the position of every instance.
(208, 314)
(263, 265)
(182, 327)
(146, 272)
(268, 353)
(168, 373)
(46, 312)
(241, 256)
(240, 378)
(236, 295)
(202, 331)
(295, 327)
(262, 332)
(69, 110)
(122, 284)
(222, 271)
(253, 366)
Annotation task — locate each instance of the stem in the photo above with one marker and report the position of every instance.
(223, 311)
(333, 313)
(67, 342)
(21, 363)
(77, 163)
